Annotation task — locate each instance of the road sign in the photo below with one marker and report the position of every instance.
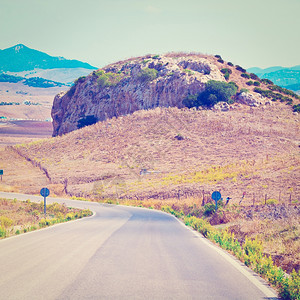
(45, 192)
(216, 195)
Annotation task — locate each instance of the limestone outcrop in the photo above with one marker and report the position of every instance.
(124, 87)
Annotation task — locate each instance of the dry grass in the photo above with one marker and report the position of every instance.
(280, 238)
(20, 217)
(243, 150)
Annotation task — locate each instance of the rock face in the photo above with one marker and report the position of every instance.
(124, 87)
(250, 99)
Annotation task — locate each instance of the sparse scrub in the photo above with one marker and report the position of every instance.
(267, 81)
(245, 75)
(30, 216)
(250, 252)
(254, 77)
(147, 75)
(188, 72)
(107, 79)
(226, 72)
(239, 68)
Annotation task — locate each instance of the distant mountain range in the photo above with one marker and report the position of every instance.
(288, 78)
(21, 58)
(21, 61)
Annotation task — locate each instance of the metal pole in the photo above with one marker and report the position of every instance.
(45, 206)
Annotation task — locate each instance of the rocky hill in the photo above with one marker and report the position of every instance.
(154, 81)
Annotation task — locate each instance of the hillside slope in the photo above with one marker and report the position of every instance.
(170, 152)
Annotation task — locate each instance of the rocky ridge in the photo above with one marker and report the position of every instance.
(147, 82)
(123, 88)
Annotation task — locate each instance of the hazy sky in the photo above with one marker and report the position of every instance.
(259, 33)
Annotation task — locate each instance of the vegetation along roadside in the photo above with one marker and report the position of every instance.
(18, 217)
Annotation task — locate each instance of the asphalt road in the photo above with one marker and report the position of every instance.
(121, 253)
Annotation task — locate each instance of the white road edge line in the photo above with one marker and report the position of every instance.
(259, 282)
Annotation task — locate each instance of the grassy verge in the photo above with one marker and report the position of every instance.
(250, 253)
(18, 217)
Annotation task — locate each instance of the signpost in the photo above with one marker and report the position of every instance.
(45, 193)
(216, 196)
(1, 173)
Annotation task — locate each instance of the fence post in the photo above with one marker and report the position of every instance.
(265, 199)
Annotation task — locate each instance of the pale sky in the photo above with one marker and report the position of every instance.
(255, 33)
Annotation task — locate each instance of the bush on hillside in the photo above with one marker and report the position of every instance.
(226, 73)
(215, 91)
(254, 76)
(250, 82)
(245, 75)
(239, 68)
(147, 75)
(107, 79)
(230, 64)
(256, 83)
(296, 108)
(266, 81)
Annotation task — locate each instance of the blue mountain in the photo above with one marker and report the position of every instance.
(21, 58)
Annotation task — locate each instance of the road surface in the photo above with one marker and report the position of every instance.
(120, 253)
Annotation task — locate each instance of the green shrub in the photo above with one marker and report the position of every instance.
(254, 76)
(239, 68)
(188, 71)
(220, 60)
(216, 91)
(245, 75)
(226, 70)
(6, 222)
(250, 82)
(107, 79)
(226, 73)
(272, 201)
(290, 287)
(147, 75)
(2, 232)
(190, 101)
(266, 81)
(243, 90)
(230, 64)
(218, 56)
(256, 83)
(209, 209)
(296, 108)
(155, 56)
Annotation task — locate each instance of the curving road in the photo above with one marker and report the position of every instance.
(120, 253)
